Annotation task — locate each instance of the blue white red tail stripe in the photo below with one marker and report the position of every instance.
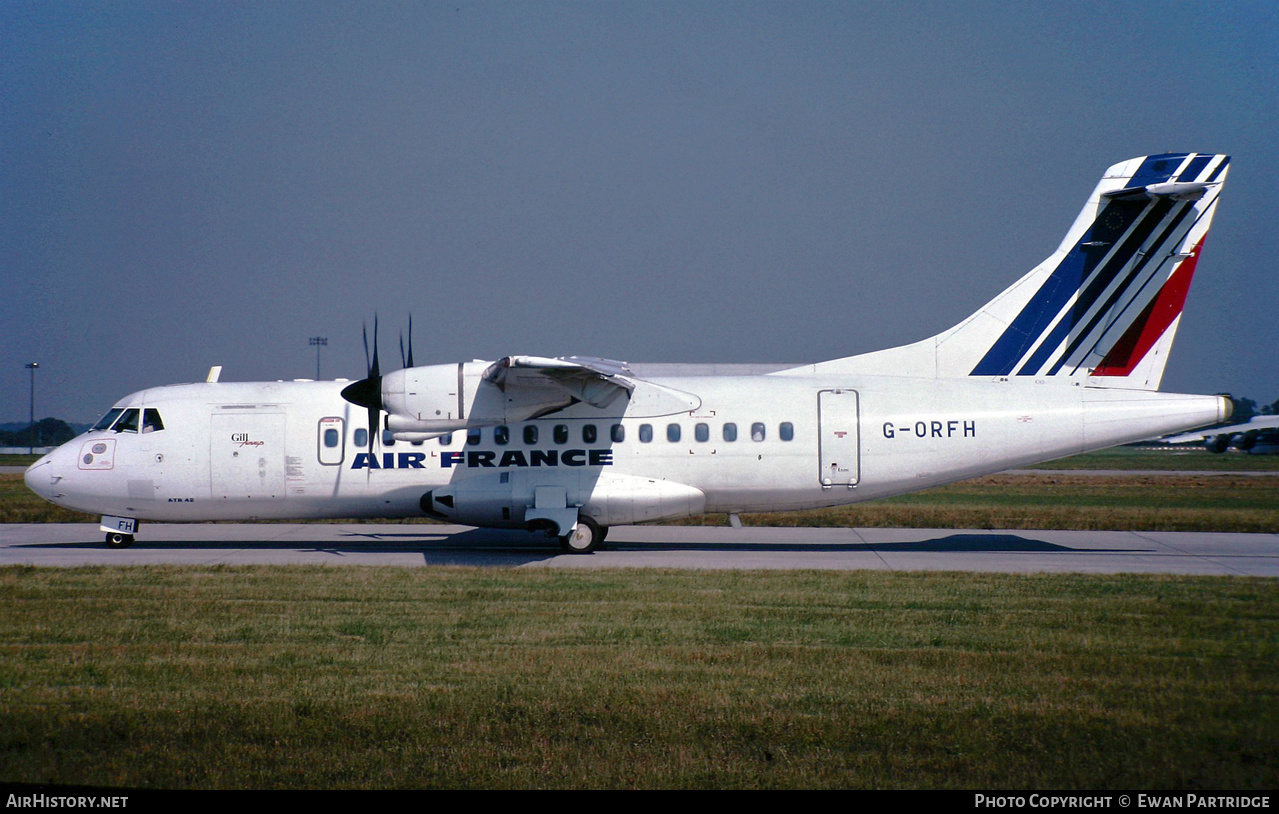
(1108, 308)
(1157, 317)
(1106, 295)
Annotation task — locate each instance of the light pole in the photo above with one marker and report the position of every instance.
(32, 414)
(318, 342)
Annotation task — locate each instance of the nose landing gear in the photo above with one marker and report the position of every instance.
(119, 530)
(117, 540)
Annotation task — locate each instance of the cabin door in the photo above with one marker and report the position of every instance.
(838, 439)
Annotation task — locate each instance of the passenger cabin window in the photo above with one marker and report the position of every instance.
(702, 432)
(588, 433)
(530, 434)
(730, 432)
(446, 439)
(388, 438)
(646, 433)
(757, 431)
(473, 437)
(786, 431)
(361, 437)
(502, 435)
(618, 433)
(672, 433)
(330, 450)
(560, 434)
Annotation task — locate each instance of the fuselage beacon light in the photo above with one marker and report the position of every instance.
(1068, 359)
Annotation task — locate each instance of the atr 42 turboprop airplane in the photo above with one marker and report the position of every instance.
(1066, 360)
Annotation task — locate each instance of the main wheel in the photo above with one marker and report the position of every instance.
(117, 540)
(585, 538)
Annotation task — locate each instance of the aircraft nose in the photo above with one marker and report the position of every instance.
(39, 477)
(57, 477)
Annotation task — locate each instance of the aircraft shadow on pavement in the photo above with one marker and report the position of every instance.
(466, 547)
(515, 547)
(954, 543)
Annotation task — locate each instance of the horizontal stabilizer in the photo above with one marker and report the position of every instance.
(1176, 190)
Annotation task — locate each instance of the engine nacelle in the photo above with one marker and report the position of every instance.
(444, 398)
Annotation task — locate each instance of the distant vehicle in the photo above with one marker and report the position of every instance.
(1066, 360)
(1260, 436)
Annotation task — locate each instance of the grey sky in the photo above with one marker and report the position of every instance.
(190, 184)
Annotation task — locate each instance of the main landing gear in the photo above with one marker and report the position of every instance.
(585, 538)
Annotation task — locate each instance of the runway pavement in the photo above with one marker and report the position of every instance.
(681, 547)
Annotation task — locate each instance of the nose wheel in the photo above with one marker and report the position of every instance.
(585, 538)
(117, 540)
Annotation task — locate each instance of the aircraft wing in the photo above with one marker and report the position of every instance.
(585, 378)
(1257, 423)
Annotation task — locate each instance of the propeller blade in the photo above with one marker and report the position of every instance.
(367, 392)
(409, 363)
(375, 408)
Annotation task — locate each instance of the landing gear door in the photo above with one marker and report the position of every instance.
(839, 441)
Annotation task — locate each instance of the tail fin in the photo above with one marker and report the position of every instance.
(1104, 308)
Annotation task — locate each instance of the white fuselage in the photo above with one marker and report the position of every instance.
(299, 450)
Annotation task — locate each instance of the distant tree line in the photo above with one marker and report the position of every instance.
(47, 432)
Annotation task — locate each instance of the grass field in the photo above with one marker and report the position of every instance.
(1153, 458)
(442, 677)
(158, 677)
(1056, 501)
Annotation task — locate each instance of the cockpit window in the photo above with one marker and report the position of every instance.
(128, 422)
(108, 419)
(151, 421)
